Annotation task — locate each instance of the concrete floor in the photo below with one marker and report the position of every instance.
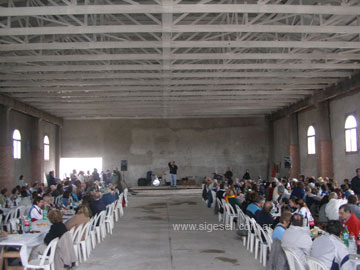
(145, 239)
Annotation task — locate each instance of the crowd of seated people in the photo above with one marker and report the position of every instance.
(303, 204)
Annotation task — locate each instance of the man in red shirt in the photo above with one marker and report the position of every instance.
(349, 220)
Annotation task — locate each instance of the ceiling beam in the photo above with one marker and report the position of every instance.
(179, 56)
(109, 75)
(344, 87)
(29, 110)
(158, 67)
(226, 28)
(344, 10)
(179, 44)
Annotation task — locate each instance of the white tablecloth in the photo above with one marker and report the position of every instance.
(26, 242)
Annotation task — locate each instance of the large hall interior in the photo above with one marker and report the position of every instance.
(140, 115)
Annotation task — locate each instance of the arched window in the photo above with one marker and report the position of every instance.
(311, 140)
(351, 134)
(16, 144)
(46, 148)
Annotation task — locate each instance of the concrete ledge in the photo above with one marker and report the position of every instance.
(165, 187)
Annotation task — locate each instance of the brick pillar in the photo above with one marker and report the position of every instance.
(37, 155)
(294, 151)
(58, 151)
(323, 141)
(6, 158)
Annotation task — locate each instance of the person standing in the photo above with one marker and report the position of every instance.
(355, 183)
(173, 172)
(247, 175)
(228, 174)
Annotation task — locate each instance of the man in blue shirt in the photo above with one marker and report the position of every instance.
(108, 198)
(255, 206)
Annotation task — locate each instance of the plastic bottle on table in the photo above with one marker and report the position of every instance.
(346, 236)
(352, 245)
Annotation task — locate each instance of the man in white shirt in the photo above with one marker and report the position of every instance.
(297, 238)
(330, 250)
(332, 207)
(36, 212)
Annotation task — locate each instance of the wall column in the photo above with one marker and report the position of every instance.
(323, 140)
(6, 158)
(294, 151)
(58, 150)
(37, 153)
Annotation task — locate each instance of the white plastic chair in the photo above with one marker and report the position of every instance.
(109, 218)
(126, 197)
(7, 219)
(45, 262)
(72, 230)
(100, 226)
(85, 245)
(315, 264)
(121, 208)
(241, 222)
(115, 211)
(250, 223)
(264, 246)
(230, 215)
(293, 260)
(94, 220)
(220, 215)
(213, 193)
(76, 239)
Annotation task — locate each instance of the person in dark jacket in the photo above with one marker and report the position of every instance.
(57, 228)
(228, 174)
(299, 191)
(355, 183)
(246, 176)
(173, 171)
(264, 217)
(51, 179)
(108, 198)
(97, 205)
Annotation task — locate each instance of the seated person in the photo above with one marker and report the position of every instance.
(108, 198)
(82, 216)
(352, 202)
(24, 199)
(330, 249)
(232, 199)
(67, 199)
(282, 225)
(349, 219)
(97, 205)
(36, 212)
(297, 238)
(264, 217)
(255, 206)
(57, 229)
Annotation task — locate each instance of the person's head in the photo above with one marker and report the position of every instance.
(34, 194)
(333, 195)
(51, 173)
(83, 209)
(352, 199)
(297, 220)
(285, 218)
(346, 182)
(227, 168)
(38, 201)
(4, 191)
(358, 172)
(55, 216)
(260, 200)
(297, 203)
(47, 199)
(281, 190)
(21, 177)
(345, 212)
(66, 194)
(173, 162)
(334, 227)
(268, 206)
(15, 191)
(23, 193)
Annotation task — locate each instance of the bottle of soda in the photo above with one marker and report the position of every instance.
(44, 214)
(20, 228)
(346, 236)
(26, 224)
(358, 244)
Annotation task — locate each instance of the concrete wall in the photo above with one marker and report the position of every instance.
(29, 137)
(344, 164)
(280, 145)
(199, 146)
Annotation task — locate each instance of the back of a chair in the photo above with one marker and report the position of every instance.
(76, 237)
(219, 203)
(72, 230)
(9, 216)
(293, 260)
(213, 193)
(232, 211)
(102, 215)
(18, 212)
(52, 247)
(264, 234)
(26, 210)
(86, 229)
(315, 264)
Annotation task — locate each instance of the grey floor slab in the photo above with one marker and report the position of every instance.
(145, 239)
